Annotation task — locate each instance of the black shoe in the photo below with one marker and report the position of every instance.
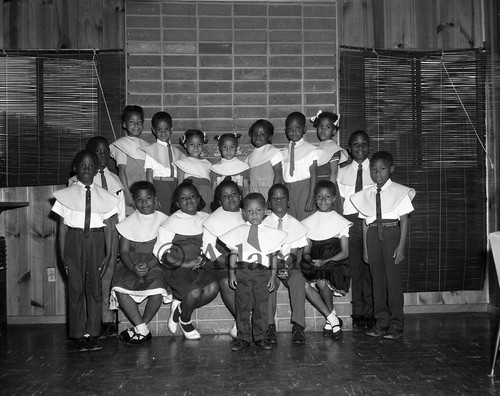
(298, 336)
(376, 331)
(393, 334)
(272, 335)
(92, 343)
(138, 339)
(369, 322)
(240, 345)
(358, 321)
(337, 330)
(80, 344)
(125, 335)
(109, 329)
(265, 345)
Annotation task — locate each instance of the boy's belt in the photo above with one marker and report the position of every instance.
(164, 178)
(101, 229)
(390, 223)
(250, 266)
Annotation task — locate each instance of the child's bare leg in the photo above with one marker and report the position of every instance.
(227, 295)
(129, 308)
(316, 300)
(197, 298)
(326, 294)
(152, 307)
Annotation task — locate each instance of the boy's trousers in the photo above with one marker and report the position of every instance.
(388, 295)
(362, 297)
(83, 257)
(251, 300)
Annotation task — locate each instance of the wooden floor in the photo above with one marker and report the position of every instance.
(441, 354)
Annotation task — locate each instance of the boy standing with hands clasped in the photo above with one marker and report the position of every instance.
(297, 166)
(252, 271)
(385, 208)
(86, 226)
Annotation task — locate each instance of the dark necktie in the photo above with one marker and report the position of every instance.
(104, 183)
(171, 159)
(292, 158)
(282, 267)
(359, 179)
(86, 224)
(379, 215)
(253, 237)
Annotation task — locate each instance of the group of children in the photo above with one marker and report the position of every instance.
(185, 229)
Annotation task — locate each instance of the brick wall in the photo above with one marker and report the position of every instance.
(215, 318)
(219, 66)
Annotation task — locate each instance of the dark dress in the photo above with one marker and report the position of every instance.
(127, 282)
(336, 273)
(184, 280)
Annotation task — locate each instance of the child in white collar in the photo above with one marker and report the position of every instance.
(289, 271)
(138, 275)
(263, 160)
(229, 164)
(160, 156)
(385, 208)
(86, 221)
(299, 164)
(252, 271)
(127, 154)
(324, 262)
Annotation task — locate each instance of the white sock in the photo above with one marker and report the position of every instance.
(142, 329)
(332, 319)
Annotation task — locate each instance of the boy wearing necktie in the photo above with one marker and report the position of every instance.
(252, 271)
(385, 208)
(86, 226)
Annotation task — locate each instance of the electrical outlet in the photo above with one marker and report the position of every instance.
(51, 274)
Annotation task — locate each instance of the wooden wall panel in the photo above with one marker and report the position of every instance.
(51, 24)
(356, 23)
(417, 24)
(31, 232)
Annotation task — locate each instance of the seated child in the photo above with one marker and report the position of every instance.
(127, 154)
(86, 225)
(159, 160)
(385, 208)
(229, 164)
(178, 248)
(261, 168)
(288, 266)
(252, 271)
(138, 275)
(324, 262)
(227, 214)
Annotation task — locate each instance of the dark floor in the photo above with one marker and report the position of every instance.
(441, 354)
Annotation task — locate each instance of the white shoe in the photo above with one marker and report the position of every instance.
(172, 325)
(189, 331)
(234, 331)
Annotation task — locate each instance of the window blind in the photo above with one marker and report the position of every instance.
(51, 103)
(428, 110)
